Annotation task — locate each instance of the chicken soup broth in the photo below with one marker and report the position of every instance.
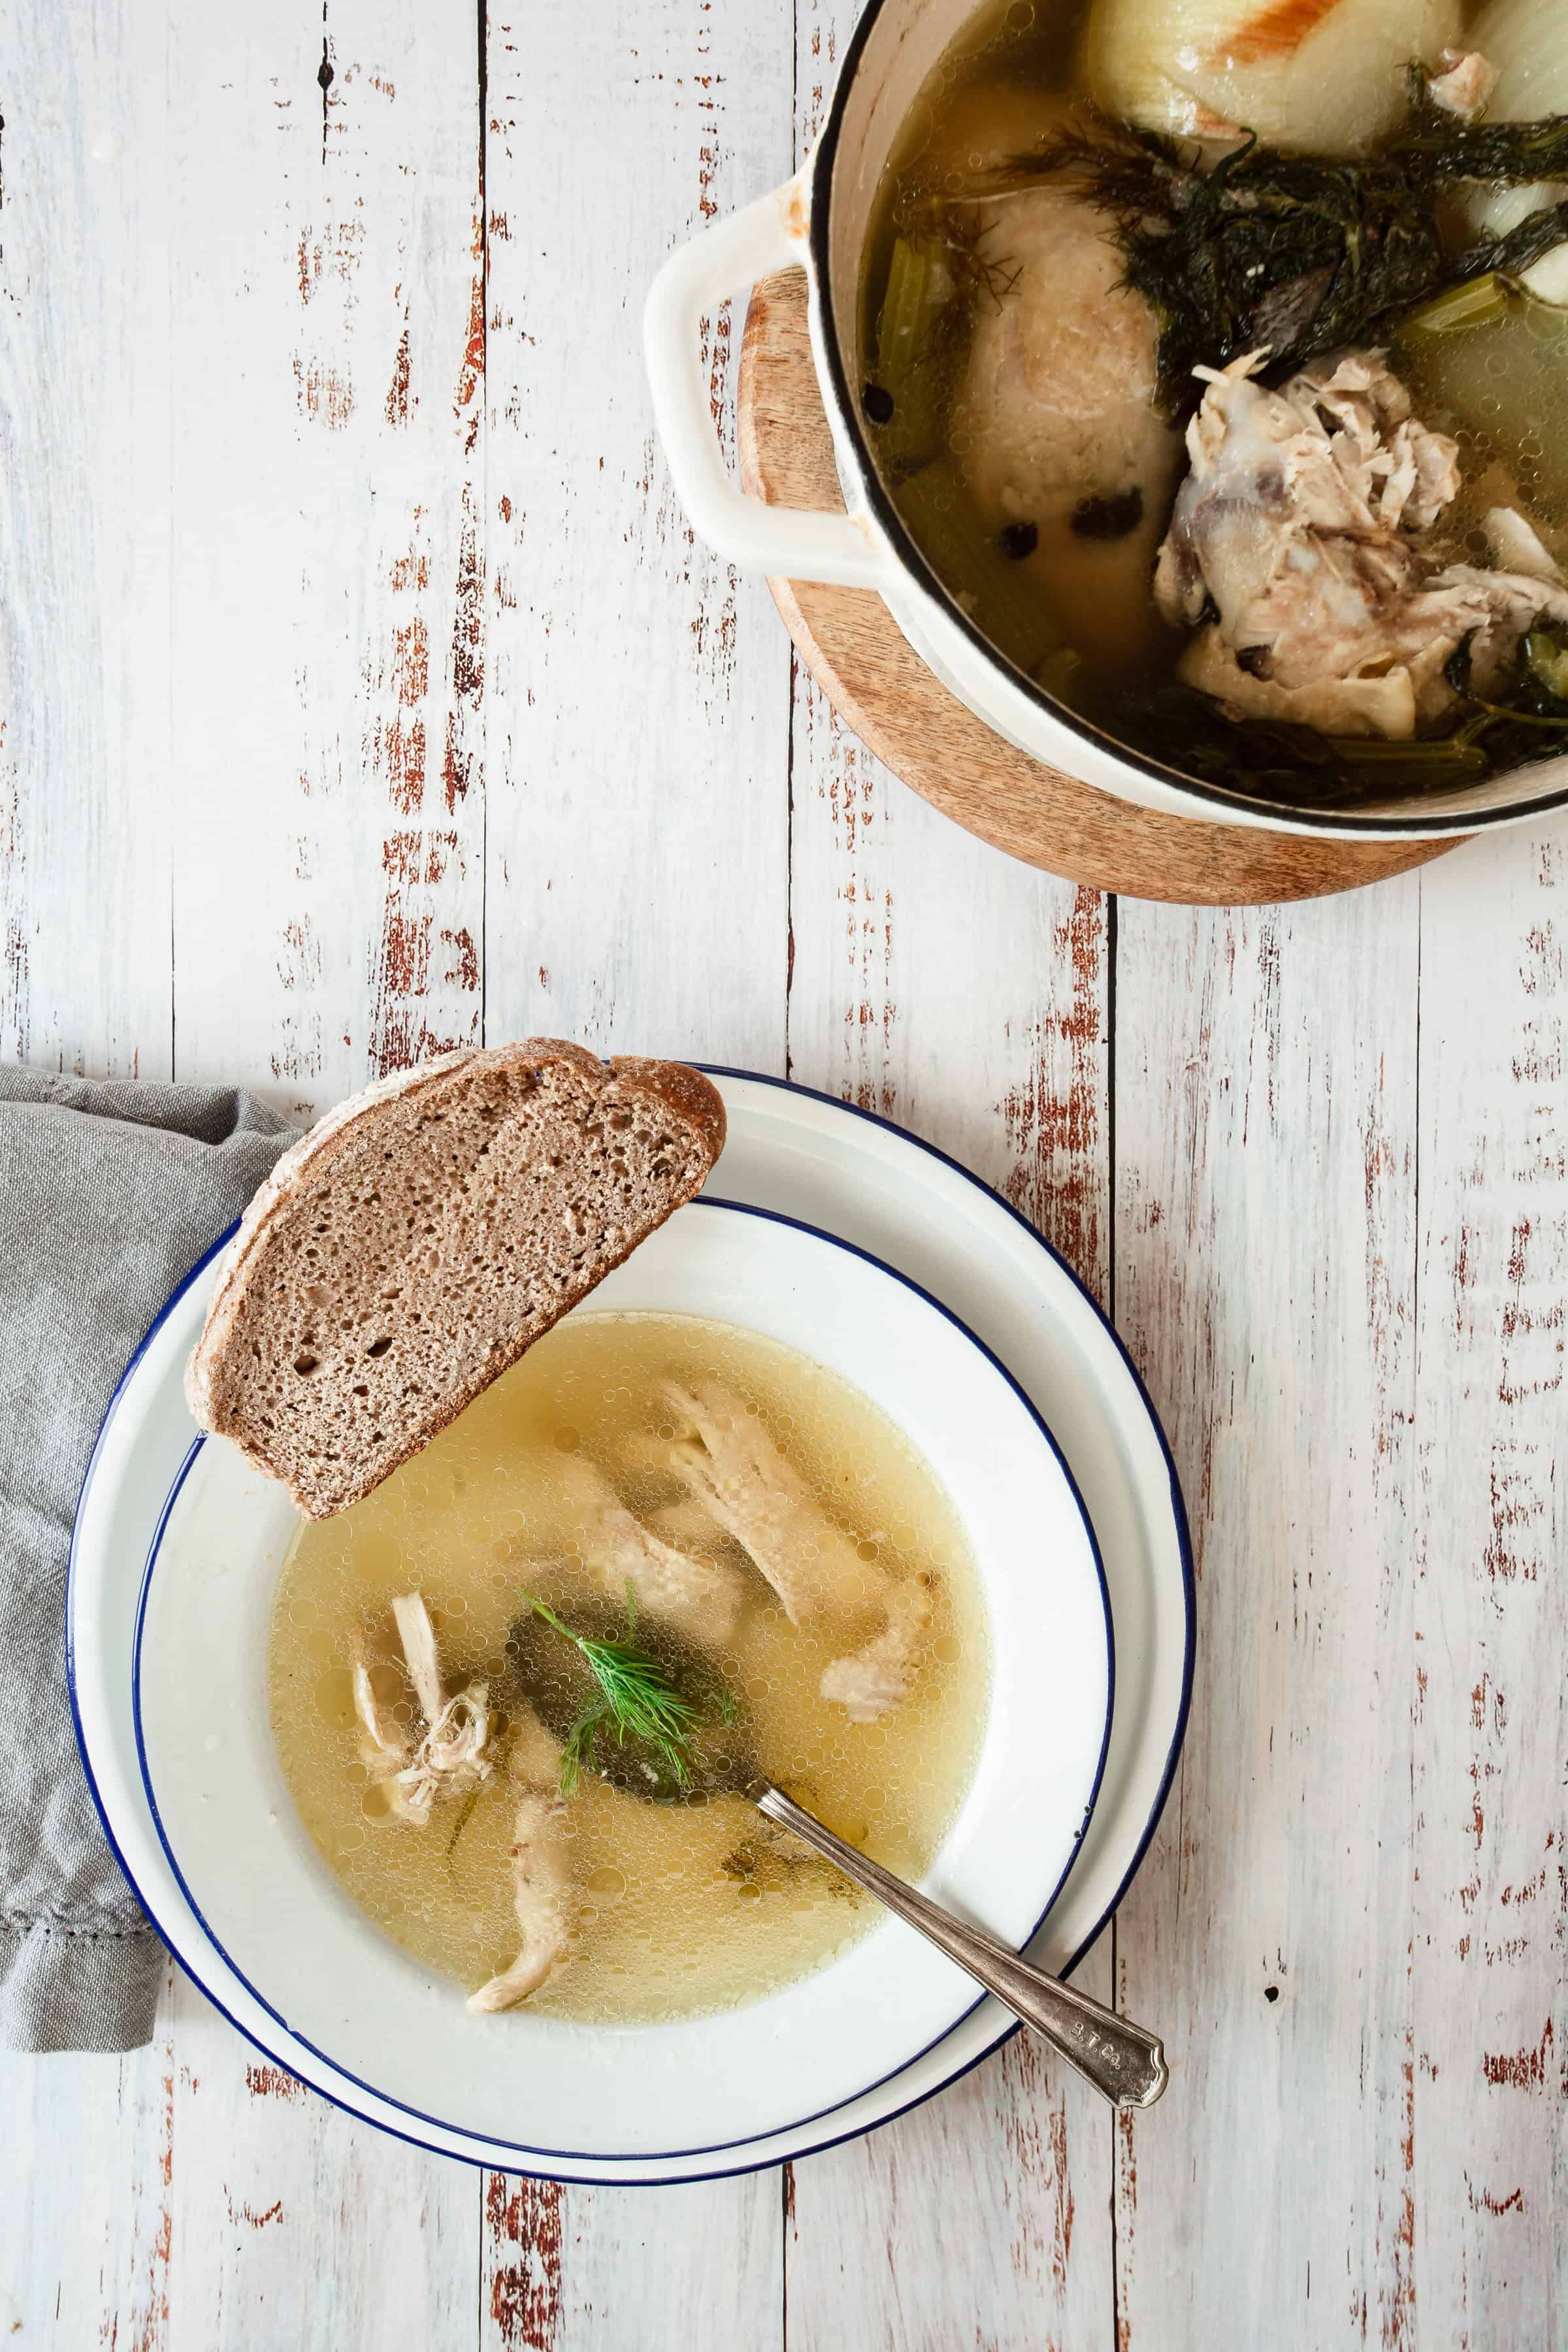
(421, 1709)
(1285, 522)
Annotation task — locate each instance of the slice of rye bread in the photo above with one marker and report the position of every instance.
(425, 1233)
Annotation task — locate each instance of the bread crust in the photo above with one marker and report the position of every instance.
(309, 1163)
(688, 1094)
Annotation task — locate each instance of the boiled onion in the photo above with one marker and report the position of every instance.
(1527, 42)
(1324, 76)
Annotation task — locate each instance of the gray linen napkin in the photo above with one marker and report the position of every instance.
(108, 1194)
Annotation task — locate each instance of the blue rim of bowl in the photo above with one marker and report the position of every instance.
(1311, 823)
(796, 2123)
(764, 2163)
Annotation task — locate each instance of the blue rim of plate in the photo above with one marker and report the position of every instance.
(709, 2148)
(1184, 1541)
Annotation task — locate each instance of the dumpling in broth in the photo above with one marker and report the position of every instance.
(1066, 456)
(1321, 76)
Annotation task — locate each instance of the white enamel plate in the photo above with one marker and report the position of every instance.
(164, 1587)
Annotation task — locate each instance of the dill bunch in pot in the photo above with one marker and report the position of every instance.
(1298, 253)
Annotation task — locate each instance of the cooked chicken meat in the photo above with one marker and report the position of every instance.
(544, 1893)
(684, 1522)
(1515, 545)
(1465, 84)
(732, 1466)
(417, 1635)
(1066, 455)
(689, 1589)
(449, 1756)
(869, 1681)
(1297, 548)
(382, 1749)
(817, 1569)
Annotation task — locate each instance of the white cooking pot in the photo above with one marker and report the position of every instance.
(820, 222)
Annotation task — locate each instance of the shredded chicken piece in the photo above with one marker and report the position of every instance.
(697, 1593)
(685, 1521)
(758, 1496)
(1466, 81)
(417, 1635)
(1516, 545)
(1298, 529)
(380, 1744)
(871, 1681)
(735, 1469)
(544, 1893)
(450, 1756)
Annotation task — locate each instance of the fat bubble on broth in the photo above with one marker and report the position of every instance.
(680, 1908)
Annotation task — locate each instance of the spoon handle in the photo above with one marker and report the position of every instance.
(1125, 2065)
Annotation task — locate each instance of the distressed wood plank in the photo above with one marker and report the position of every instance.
(1488, 2100)
(291, 2222)
(981, 2217)
(692, 2268)
(328, 552)
(84, 2228)
(162, 523)
(1266, 1258)
(637, 709)
(86, 662)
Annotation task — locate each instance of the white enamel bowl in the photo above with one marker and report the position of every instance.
(352, 2011)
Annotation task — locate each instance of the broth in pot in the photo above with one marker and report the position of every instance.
(1220, 375)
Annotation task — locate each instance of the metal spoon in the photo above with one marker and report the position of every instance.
(1124, 2063)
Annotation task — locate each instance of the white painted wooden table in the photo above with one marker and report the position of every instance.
(364, 692)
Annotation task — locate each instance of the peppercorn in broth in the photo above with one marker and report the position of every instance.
(424, 1745)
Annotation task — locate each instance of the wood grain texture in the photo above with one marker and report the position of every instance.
(1488, 2098)
(328, 871)
(696, 2269)
(1265, 1269)
(87, 672)
(86, 2236)
(637, 704)
(853, 648)
(291, 2223)
(330, 626)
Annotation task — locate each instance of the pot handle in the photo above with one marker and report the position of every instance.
(788, 542)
